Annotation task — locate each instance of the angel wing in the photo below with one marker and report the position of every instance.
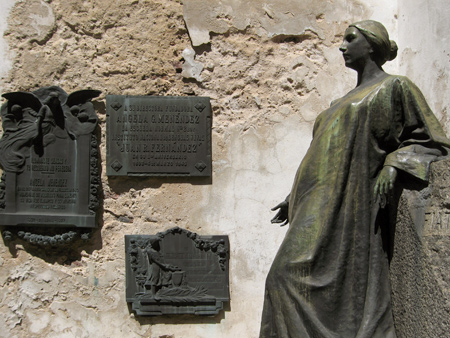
(23, 99)
(82, 96)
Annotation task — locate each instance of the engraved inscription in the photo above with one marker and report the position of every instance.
(168, 149)
(158, 135)
(49, 186)
(437, 223)
(46, 220)
(48, 196)
(49, 164)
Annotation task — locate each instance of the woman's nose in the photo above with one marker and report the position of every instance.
(343, 47)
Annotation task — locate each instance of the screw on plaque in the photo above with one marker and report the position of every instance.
(200, 106)
(116, 165)
(200, 166)
(116, 105)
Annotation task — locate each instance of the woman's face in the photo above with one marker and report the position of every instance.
(355, 49)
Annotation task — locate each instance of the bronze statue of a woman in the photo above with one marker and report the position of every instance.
(330, 277)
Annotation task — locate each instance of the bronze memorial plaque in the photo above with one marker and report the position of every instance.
(49, 157)
(177, 272)
(158, 136)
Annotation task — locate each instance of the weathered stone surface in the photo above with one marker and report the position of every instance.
(5, 55)
(33, 20)
(267, 18)
(265, 94)
(420, 265)
(422, 58)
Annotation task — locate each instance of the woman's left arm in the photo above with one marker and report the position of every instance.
(420, 138)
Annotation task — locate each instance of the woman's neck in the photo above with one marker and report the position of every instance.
(369, 72)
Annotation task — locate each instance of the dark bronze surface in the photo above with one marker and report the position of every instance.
(49, 155)
(330, 277)
(158, 136)
(177, 272)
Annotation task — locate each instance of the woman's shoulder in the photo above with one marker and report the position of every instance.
(398, 80)
(402, 84)
(390, 83)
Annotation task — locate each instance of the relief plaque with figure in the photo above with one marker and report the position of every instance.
(177, 272)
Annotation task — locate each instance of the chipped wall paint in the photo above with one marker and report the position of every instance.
(5, 57)
(268, 18)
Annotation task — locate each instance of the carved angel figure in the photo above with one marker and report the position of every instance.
(31, 121)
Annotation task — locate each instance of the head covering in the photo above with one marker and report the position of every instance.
(378, 37)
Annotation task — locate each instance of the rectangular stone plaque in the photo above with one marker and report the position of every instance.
(49, 156)
(177, 272)
(158, 136)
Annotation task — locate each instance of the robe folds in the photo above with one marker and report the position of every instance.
(330, 277)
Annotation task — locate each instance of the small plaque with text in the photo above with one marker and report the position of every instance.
(158, 136)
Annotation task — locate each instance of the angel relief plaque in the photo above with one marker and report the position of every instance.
(177, 272)
(49, 157)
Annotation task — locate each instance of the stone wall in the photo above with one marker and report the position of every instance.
(419, 270)
(420, 264)
(424, 51)
(269, 67)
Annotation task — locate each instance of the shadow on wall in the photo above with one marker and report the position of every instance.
(120, 185)
(72, 243)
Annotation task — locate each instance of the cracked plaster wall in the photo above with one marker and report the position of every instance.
(269, 67)
(425, 56)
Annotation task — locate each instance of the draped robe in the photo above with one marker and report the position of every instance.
(330, 277)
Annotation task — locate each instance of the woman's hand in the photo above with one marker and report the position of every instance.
(385, 182)
(282, 214)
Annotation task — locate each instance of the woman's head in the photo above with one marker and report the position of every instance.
(378, 37)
